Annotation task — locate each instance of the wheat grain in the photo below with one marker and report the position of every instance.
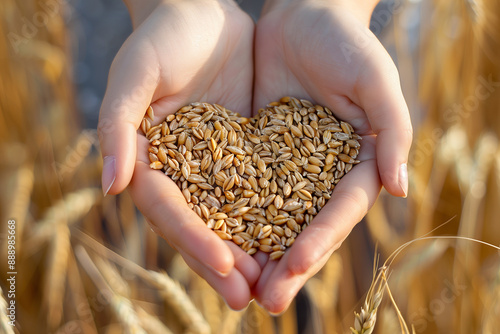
(364, 322)
(241, 175)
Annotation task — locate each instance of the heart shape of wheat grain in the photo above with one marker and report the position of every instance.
(256, 181)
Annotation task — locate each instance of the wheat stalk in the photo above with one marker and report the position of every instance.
(171, 290)
(77, 154)
(329, 283)
(125, 312)
(206, 299)
(230, 321)
(111, 276)
(71, 208)
(180, 302)
(56, 275)
(150, 323)
(287, 322)
(4, 321)
(364, 322)
(67, 211)
(80, 301)
(121, 306)
(491, 321)
(19, 207)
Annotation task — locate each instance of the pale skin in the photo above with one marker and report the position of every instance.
(204, 50)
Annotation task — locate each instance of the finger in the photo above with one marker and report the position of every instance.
(267, 271)
(266, 301)
(131, 84)
(389, 118)
(233, 288)
(350, 201)
(245, 264)
(261, 258)
(277, 286)
(158, 197)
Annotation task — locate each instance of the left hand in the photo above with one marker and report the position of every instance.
(324, 52)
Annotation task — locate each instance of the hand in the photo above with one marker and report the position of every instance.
(179, 52)
(323, 51)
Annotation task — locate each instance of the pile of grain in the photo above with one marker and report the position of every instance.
(259, 181)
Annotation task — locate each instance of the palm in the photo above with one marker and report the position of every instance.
(314, 60)
(197, 62)
(295, 57)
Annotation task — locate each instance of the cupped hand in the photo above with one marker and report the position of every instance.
(179, 52)
(323, 51)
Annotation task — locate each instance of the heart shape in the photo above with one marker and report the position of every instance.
(256, 181)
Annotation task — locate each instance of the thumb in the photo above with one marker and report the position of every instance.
(389, 117)
(132, 81)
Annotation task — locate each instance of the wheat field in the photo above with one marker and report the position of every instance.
(88, 264)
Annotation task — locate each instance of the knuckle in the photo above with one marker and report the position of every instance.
(104, 128)
(408, 134)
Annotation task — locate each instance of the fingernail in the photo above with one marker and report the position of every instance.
(154, 228)
(278, 314)
(258, 303)
(403, 178)
(220, 273)
(274, 314)
(108, 173)
(236, 309)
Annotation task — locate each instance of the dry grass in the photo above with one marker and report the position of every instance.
(91, 264)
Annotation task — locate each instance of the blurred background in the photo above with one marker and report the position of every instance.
(88, 264)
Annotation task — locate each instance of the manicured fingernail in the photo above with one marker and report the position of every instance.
(403, 178)
(108, 173)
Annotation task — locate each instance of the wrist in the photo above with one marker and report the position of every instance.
(361, 9)
(139, 10)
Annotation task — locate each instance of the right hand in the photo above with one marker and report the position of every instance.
(179, 52)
